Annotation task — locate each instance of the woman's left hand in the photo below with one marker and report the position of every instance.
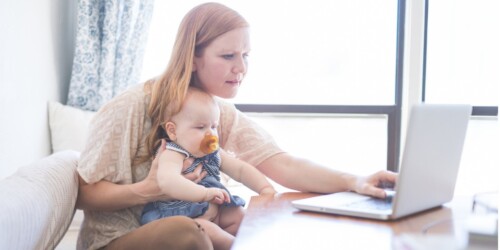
(373, 184)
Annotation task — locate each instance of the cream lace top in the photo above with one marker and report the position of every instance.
(116, 140)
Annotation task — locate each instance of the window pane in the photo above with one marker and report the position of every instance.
(314, 52)
(463, 55)
(354, 144)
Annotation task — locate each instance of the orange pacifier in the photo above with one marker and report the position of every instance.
(209, 144)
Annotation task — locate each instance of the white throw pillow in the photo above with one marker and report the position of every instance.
(68, 127)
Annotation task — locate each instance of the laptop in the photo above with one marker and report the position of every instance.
(428, 171)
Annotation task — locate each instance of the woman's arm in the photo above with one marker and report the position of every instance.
(243, 136)
(108, 196)
(307, 176)
(246, 174)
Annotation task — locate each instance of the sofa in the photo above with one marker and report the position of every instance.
(38, 200)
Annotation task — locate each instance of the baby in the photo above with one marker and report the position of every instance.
(192, 133)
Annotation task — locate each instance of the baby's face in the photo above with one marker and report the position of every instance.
(196, 120)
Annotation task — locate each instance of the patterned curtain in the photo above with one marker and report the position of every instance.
(110, 42)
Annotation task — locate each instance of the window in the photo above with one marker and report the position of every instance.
(322, 52)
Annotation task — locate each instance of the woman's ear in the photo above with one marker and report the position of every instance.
(170, 129)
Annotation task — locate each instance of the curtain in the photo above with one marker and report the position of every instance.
(110, 42)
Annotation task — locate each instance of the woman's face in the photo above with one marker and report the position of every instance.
(223, 64)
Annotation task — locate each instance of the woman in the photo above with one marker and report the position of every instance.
(116, 169)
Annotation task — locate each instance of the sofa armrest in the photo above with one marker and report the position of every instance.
(38, 202)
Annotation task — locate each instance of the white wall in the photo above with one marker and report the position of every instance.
(36, 54)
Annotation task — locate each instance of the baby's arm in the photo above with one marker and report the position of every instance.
(172, 183)
(246, 174)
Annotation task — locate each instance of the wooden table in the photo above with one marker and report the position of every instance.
(272, 223)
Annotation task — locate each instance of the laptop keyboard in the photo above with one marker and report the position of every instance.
(372, 204)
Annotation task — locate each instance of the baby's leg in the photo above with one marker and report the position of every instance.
(230, 218)
(211, 214)
(221, 239)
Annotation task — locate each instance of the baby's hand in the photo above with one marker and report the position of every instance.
(217, 196)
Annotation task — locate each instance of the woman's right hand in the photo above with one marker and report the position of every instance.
(150, 189)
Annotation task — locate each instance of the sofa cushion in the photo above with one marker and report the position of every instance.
(68, 127)
(38, 202)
